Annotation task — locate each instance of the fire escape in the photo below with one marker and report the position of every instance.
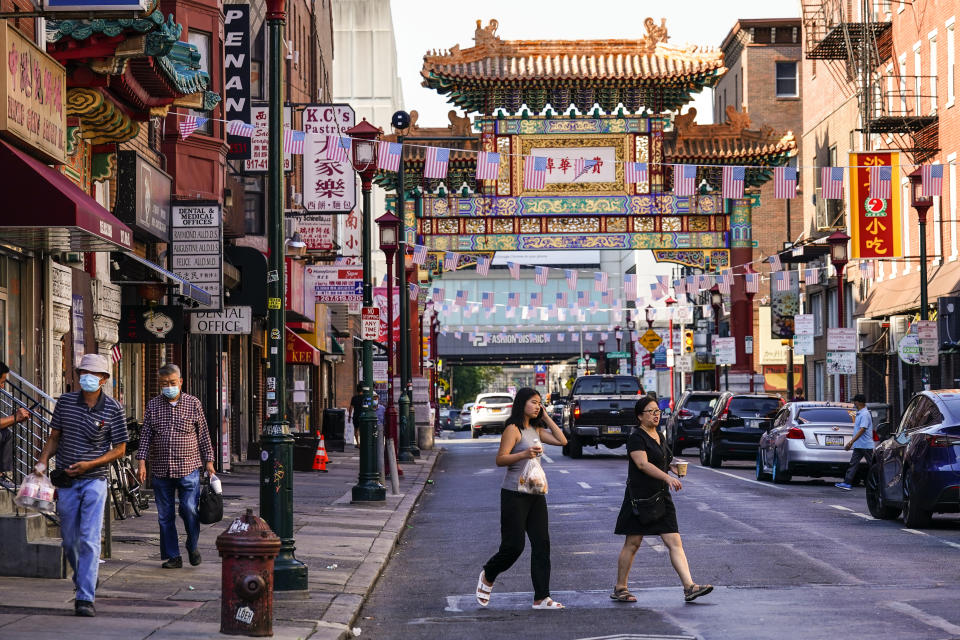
(857, 47)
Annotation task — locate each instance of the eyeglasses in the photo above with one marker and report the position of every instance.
(654, 411)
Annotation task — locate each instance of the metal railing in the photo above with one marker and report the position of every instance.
(30, 435)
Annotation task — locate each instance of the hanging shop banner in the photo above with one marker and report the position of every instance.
(380, 301)
(230, 321)
(196, 248)
(328, 186)
(259, 143)
(784, 304)
(143, 196)
(146, 324)
(236, 75)
(841, 362)
(349, 231)
(33, 88)
(874, 222)
(331, 283)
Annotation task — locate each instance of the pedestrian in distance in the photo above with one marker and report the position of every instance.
(356, 405)
(6, 434)
(87, 433)
(861, 443)
(526, 428)
(647, 506)
(176, 442)
(798, 396)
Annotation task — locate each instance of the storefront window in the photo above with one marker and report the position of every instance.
(299, 397)
(202, 41)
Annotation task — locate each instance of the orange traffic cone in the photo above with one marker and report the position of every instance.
(320, 459)
(323, 447)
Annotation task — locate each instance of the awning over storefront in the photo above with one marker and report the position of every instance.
(187, 289)
(44, 211)
(299, 351)
(901, 294)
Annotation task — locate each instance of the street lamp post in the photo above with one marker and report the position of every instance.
(368, 487)
(922, 204)
(602, 360)
(838, 255)
(716, 301)
(389, 225)
(276, 443)
(671, 356)
(631, 325)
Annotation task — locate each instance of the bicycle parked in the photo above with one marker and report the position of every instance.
(125, 488)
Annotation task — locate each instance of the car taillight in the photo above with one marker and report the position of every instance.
(876, 436)
(478, 407)
(576, 411)
(795, 434)
(942, 441)
(685, 413)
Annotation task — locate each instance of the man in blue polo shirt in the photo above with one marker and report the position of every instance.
(861, 443)
(87, 433)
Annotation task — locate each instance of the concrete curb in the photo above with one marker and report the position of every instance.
(341, 615)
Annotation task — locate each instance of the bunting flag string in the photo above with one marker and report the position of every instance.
(571, 277)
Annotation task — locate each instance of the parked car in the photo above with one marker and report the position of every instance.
(806, 439)
(600, 411)
(451, 420)
(685, 427)
(916, 469)
(465, 415)
(489, 413)
(734, 428)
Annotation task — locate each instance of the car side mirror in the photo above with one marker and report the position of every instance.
(884, 430)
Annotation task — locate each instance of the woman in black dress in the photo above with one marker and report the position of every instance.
(647, 477)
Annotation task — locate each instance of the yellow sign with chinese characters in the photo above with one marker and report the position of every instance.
(875, 222)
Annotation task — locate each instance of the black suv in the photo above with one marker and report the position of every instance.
(685, 426)
(734, 428)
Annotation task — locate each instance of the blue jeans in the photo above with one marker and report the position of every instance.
(80, 508)
(163, 492)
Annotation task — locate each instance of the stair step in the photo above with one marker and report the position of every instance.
(28, 550)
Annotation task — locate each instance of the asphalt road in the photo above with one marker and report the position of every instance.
(803, 560)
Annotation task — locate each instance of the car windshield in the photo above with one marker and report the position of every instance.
(754, 407)
(833, 415)
(696, 404)
(496, 400)
(598, 386)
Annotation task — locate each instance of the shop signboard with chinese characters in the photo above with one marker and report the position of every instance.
(143, 196)
(196, 248)
(236, 75)
(259, 143)
(599, 164)
(328, 186)
(33, 89)
(875, 224)
(315, 231)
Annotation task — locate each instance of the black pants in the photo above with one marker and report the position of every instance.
(519, 513)
(857, 455)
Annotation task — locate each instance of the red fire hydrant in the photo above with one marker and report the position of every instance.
(248, 548)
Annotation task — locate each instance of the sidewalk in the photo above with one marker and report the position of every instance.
(345, 547)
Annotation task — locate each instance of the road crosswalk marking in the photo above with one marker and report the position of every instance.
(483, 471)
(584, 485)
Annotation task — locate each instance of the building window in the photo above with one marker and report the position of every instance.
(253, 214)
(816, 310)
(202, 41)
(933, 72)
(951, 64)
(831, 308)
(787, 80)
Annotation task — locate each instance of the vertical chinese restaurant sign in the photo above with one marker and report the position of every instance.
(328, 186)
(874, 222)
(33, 89)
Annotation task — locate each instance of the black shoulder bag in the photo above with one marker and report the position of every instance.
(210, 507)
(647, 510)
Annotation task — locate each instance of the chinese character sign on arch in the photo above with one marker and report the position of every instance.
(874, 222)
(329, 186)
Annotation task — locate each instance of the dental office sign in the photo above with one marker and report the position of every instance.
(196, 248)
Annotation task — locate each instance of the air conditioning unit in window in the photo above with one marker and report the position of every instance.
(869, 333)
(898, 329)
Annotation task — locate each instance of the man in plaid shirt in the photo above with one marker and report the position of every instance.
(176, 441)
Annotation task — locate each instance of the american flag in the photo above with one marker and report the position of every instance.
(811, 276)
(461, 298)
(785, 183)
(588, 336)
(931, 176)
(561, 337)
(511, 312)
(562, 299)
(115, 353)
(487, 300)
(438, 294)
(534, 172)
(388, 155)
(607, 297)
(293, 141)
(831, 183)
(240, 128)
(661, 288)
(630, 286)
(725, 282)
(190, 124)
(635, 172)
(880, 182)
(536, 299)
(483, 265)
(680, 286)
(488, 165)
(437, 162)
(600, 281)
(581, 166)
(513, 300)
(514, 269)
(338, 149)
(571, 276)
(450, 260)
(752, 282)
(774, 261)
(581, 297)
(781, 281)
(866, 269)
(684, 179)
(540, 276)
(733, 179)
(419, 254)
(414, 290)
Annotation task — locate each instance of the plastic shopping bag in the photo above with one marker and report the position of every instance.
(36, 492)
(532, 478)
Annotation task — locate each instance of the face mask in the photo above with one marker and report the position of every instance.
(89, 382)
(170, 392)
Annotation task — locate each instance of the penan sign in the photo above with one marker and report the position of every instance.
(32, 94)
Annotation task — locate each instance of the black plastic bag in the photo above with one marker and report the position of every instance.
(210, 509)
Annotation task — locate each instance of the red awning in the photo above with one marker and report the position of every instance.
(44, 211)
(299, 351)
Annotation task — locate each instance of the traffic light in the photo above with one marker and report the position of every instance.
(688, 340)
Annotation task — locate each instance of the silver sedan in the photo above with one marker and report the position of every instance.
(806, 439)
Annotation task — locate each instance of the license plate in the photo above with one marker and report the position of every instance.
(833, 441)
(614, 429)
(499, 410)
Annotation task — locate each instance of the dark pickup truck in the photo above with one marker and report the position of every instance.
(600, 411)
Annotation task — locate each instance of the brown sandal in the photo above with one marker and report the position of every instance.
(694, 591)
(623, 595)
